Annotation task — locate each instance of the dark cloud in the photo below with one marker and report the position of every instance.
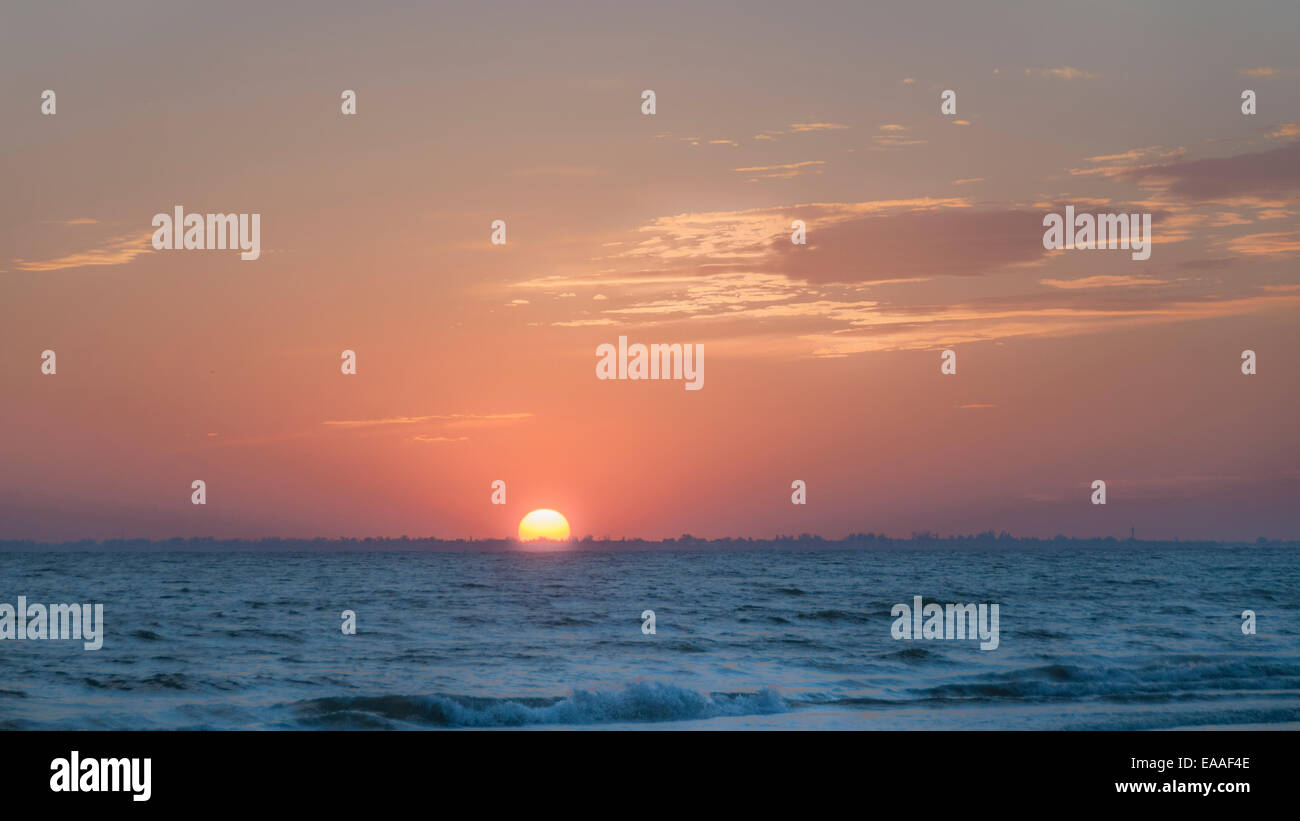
(1266, 173)
(1208, 263)
(913, 244)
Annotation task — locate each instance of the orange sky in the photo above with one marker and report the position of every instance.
(476, 362)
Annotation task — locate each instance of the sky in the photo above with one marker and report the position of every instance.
(476, 362)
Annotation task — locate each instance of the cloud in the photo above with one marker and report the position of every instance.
(117, 251)
(804, 127)
(383, 425)
(1272, 172)
(1116, 165)
(1108, 281)
(913, 243)
(730, 295)
(854, 242)
(583, 323)
(782, 172)
(933, 327)
(392, 420)
(601, 280)
(1165, 487)
(883, 142)
(1285, 130)
(1062, 73)
(833, 321)
(1206, 264)
(893, 138)
(1262, 71)
(737, 277)
(452, 419)
(559, 171)
(746, 237)
(1276, 244)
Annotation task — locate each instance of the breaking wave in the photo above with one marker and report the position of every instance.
(642, 702)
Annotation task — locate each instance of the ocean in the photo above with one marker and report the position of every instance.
(1089, 639)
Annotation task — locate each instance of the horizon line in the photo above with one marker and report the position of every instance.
(805, 541)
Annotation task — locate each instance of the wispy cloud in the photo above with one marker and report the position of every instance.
(560, 171)
(893, 138)
(453, 418)
(1114, 165)
(1285, 131)
(584, 323)
(931, 327)
(116, 251)
(783, 172)
(804, 127)
(1107, 281)
(1276, 244)
(745, 237)
(1062, 73)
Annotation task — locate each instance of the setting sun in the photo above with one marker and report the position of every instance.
(544, 524)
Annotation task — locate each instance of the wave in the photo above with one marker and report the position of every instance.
(1039, 633)
(913, 655)
(642, 702)
(837, 615)
(1168, 680)
(157, 681)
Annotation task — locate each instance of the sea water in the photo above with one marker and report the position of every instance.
(1120, 638)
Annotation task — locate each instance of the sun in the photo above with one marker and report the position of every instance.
(544, 524)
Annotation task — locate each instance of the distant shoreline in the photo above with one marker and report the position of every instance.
(869, 541)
